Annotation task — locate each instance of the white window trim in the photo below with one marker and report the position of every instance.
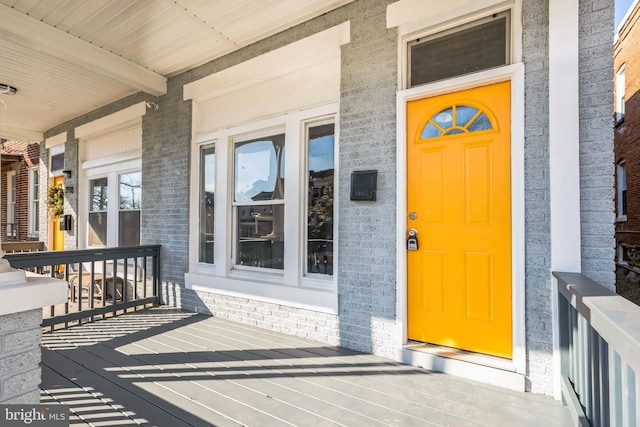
(33, 227)
(619, 166)
(289, 287)
(418, 19)
(515, 74)
(620, 93)
(9, 195)
(55, 150)
(112, 171)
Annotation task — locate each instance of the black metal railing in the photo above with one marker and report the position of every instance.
(101, 281)
(599, 353)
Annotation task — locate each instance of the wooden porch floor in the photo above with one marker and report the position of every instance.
(165, 367)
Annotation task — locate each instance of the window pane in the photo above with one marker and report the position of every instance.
(207, 192)
(97, 229)
(57, 162)
(129, 228)
(260, 241)
(98, 194)
(259, 169)
(465, 51)
(320, 199)
(131, 190)
(97, 212)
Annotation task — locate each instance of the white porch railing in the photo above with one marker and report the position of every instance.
(600, 352)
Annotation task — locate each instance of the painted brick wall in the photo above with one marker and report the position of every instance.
(596, 141)
(367, 247)
(537, 226)
(367, 229)
(71, 163)
(20, 336)
(596, 170)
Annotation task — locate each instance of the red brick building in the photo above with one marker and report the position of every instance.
(19, 194)
(627, 153)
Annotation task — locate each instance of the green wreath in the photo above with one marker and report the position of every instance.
(55, 201)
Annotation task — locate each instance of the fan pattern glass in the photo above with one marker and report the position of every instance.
(455, 120)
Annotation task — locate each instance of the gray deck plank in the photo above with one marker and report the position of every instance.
(223, 373)
(253, 408)
(93, 367)
(316, 379)
(494, 400)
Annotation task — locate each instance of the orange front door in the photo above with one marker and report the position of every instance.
(57, 236)
(459, 202)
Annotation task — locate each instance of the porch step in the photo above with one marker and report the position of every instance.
(485, 369)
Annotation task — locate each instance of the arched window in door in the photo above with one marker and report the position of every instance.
(456, 119)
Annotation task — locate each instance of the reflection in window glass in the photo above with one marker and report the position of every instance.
(98, 212)
(207, 192)
(259, 178)
(131, 190)
(320, 214)
(259, 169)
(130, 194)
(260, 236)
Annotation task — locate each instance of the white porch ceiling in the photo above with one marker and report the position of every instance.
(68, 57)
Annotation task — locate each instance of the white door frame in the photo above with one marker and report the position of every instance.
(515, 74)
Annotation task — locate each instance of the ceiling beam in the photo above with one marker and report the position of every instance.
(47, 40)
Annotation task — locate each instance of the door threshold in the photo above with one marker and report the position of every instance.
(474, 366)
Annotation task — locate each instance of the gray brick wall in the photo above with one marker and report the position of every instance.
(596, 141)
(596, 170)
(20, 374)
(537, 226)
(367, 229)
(367, 247)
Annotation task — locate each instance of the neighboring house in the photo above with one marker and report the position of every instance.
(488, 127)
(627, 154)
(20, 191)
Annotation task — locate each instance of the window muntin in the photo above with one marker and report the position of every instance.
(206, 201)
(320, 198)
(259, 202)
(621, 172)
(34, 201)
(477, 46)
(98, 200)
(130, 195)
(455, 120)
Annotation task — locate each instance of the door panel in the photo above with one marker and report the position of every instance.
(58, 235)
(459, 186)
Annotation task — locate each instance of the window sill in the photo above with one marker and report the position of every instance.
(622, 218)
(241, 286)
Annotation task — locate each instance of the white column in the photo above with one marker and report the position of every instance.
(563, 153)
(564, 136)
